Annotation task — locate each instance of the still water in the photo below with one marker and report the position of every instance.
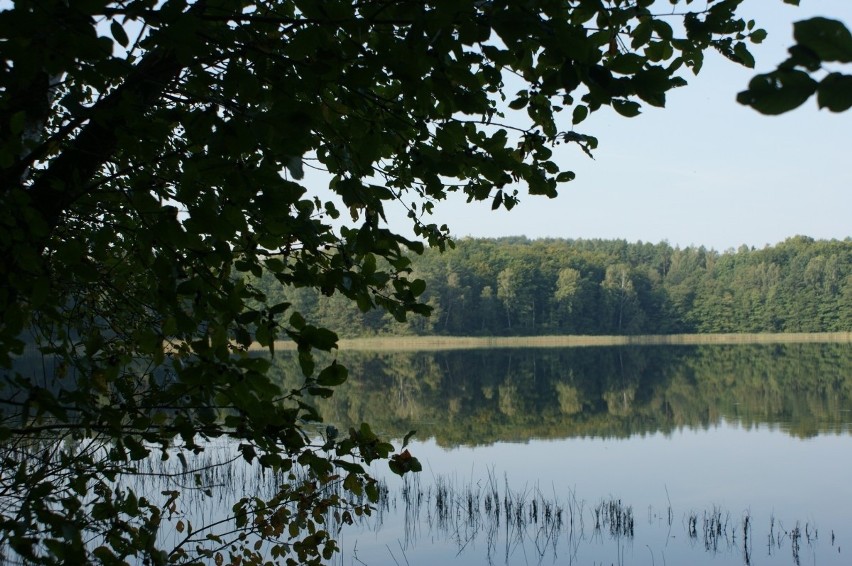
(640, 455)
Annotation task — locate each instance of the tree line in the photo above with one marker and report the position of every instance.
(518, 286)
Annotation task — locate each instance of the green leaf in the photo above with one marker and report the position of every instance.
(641, 34)
(118, 33)
(319, 338)
(306, 363)
(417, 287)
(778, 92)
(297, 321)
(333, 375)
(835, 92)
(743, 55)
(323, 392)
(403, 463)
(626, 63)
(627, 108)
(350, 467)
(580, 113)
(829, 39)
(663, 29)
(519, 103)
(757, 36)
(408, 437)
(17, 122)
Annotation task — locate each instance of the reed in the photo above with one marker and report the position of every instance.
(442, 343)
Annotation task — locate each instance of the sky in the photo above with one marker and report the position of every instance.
(703, 171)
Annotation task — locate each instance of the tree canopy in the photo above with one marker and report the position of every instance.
(514, 286)
(153, 153)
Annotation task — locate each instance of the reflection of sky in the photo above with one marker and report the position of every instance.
(761, 471)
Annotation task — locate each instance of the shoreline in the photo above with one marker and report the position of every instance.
(438, 343)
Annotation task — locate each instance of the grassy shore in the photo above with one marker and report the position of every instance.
(434, 343)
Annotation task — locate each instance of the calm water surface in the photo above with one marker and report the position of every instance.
(652, 455)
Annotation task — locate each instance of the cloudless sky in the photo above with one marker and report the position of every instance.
(702, 171)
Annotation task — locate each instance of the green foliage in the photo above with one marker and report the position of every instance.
(818, 41)
(514, 286)
(154, 163)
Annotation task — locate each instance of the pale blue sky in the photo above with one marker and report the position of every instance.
(704, 170)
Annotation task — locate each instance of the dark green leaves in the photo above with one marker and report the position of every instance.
(757, 36)
(626, 64)
(829, 39)
(118, 33)
(819, 40)
(627, 108)
(835, 92)
(333, 375)
(404, 462)
(778, 92)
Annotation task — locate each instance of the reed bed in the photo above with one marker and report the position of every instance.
(440, 343)
(487, 515)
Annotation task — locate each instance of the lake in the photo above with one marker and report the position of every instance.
(629, 455)
(607, 455)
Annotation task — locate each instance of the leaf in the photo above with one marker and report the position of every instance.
(757, 36)
(295, 168)
(580, 113)
(319, 338)
(626, 63)
(333, 375)
(498, 200)
(297, 321)
(408, 437)
(17, 122)
(829, 39)
(323, 392)
(306, 363)
(778, 92)
(404, 462)
(118, 33)
(417, 287)
(627, 108)
(835, 92)
(641, 34)
(519, 103)
(663, 29)
(743, 55)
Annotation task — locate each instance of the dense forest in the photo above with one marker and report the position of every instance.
(517, 286)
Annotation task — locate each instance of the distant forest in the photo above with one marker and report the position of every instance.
(517, 286)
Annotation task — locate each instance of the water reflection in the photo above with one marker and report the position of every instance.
(630, 455)
(484, 396)
(692, 454)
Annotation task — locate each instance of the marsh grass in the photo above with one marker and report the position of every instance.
(488, 515)
(615, 516)
(441, 343)
(510, 522)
